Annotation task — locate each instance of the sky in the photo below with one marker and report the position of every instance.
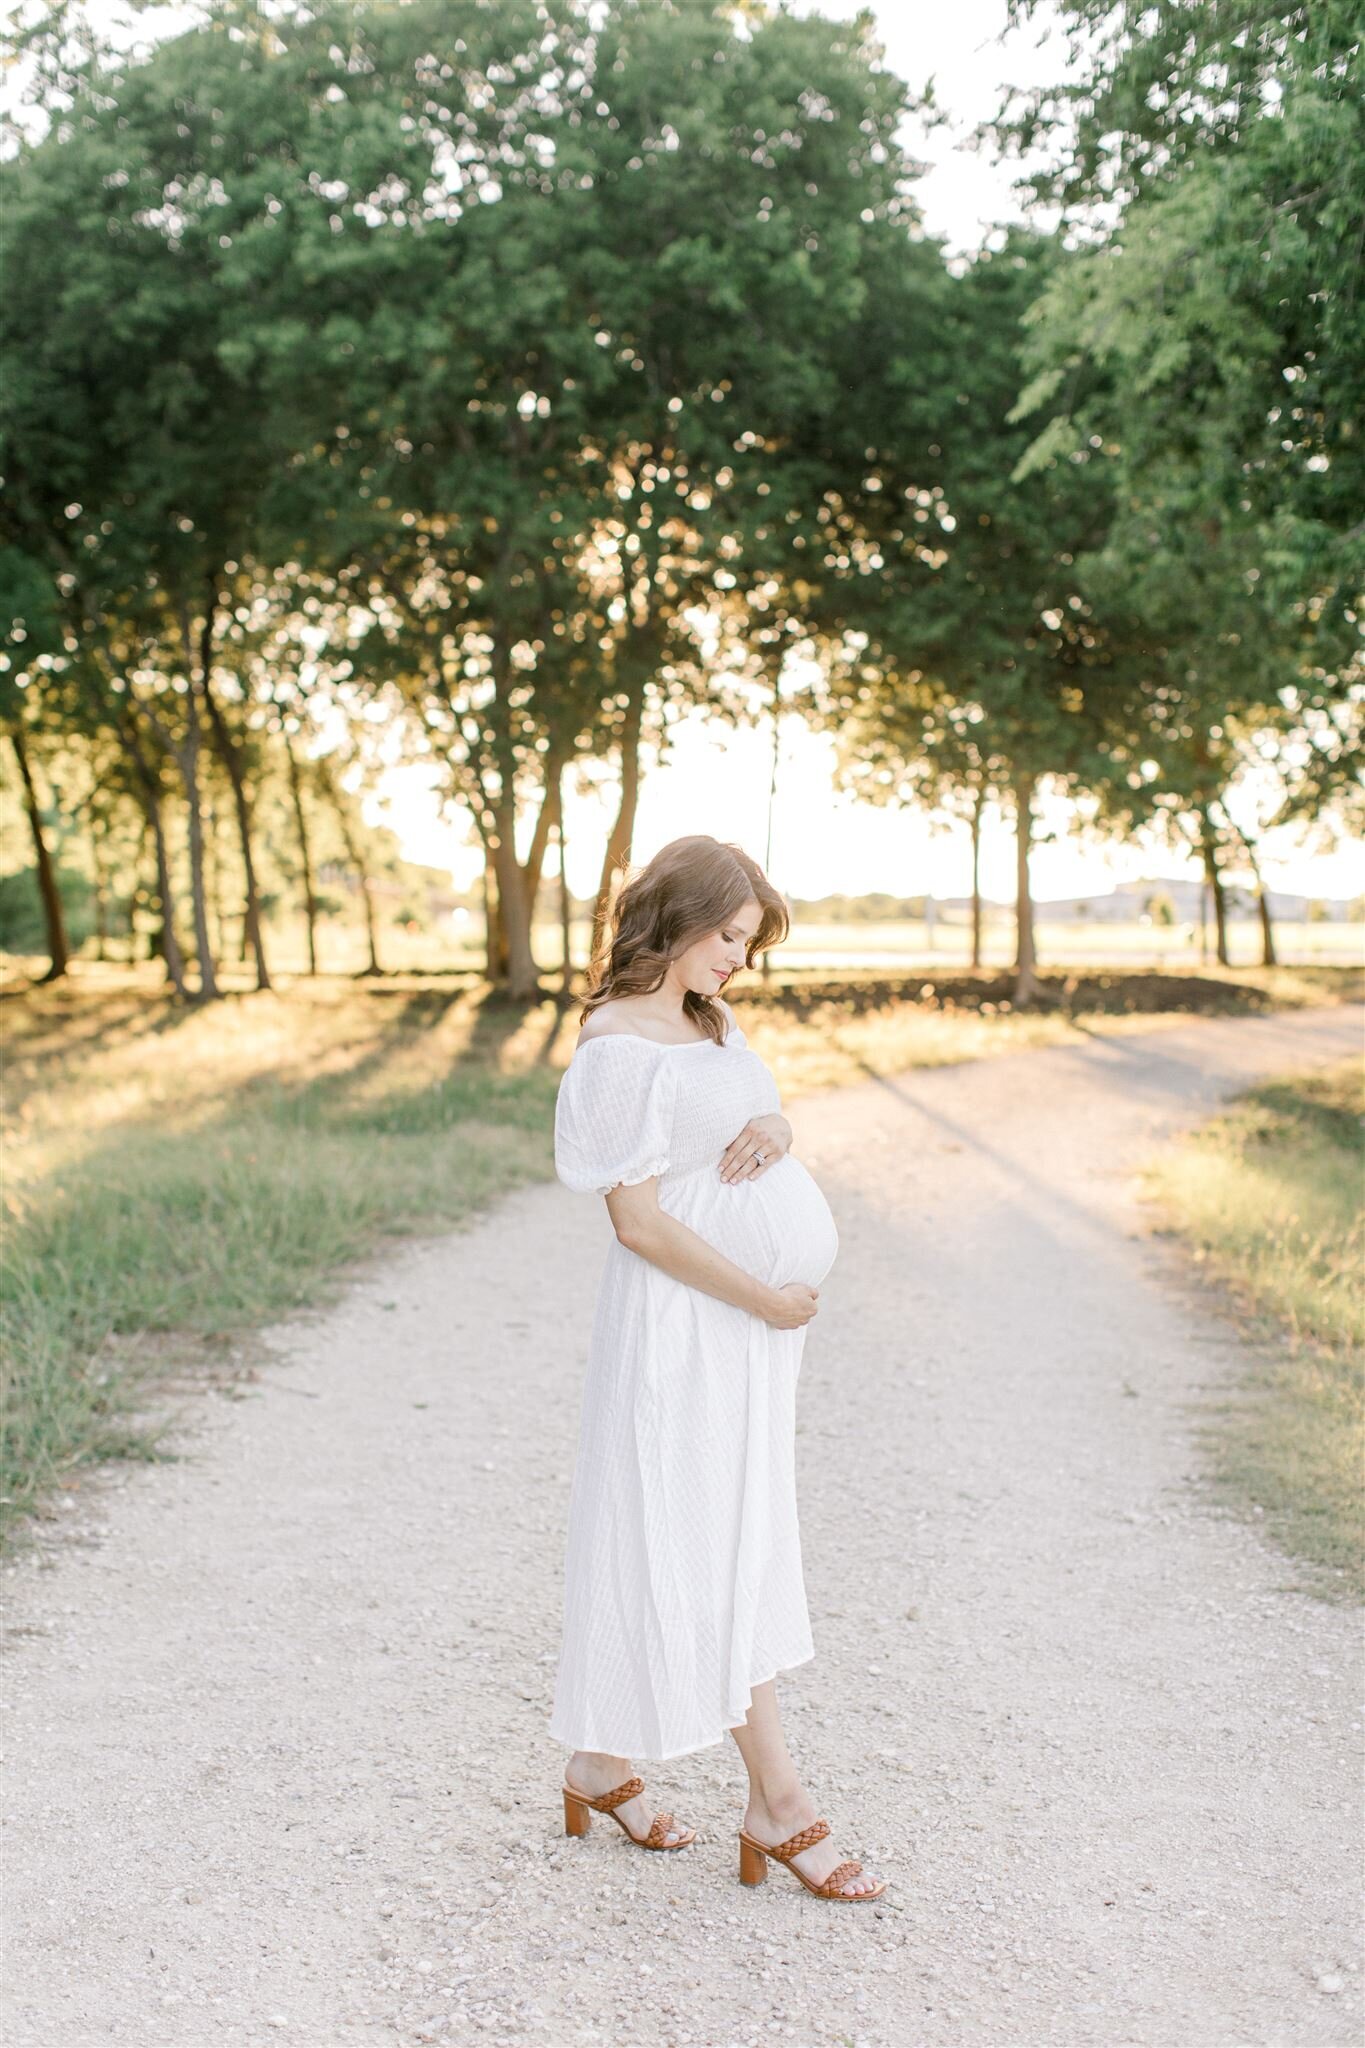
(715, 778)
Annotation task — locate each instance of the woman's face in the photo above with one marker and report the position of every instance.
(707, 964)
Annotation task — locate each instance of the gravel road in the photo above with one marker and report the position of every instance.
(277, 1762)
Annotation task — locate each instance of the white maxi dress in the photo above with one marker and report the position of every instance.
(683, 1587)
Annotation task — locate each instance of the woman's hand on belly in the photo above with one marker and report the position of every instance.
(763, 1141)
(792, 1306)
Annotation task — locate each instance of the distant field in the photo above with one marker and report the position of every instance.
(1081, 942)
(457, 945)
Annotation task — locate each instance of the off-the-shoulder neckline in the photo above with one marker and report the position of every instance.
(660, 1044)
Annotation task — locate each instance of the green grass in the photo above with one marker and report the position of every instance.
(175, 1178)
(1271, 1199)
(170, 1212)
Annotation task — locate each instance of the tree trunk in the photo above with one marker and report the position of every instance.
(1209, 846)
(773, 665)
(492, 924)
(514, 918)
(230, 756)
(351, 843)
(100, 873)
(305, 849)
(565, 938)
(170, 944)
(532, 873)
(186, 753)
(511, 954)
(208, 991)
(540, 839)
(1026, 988)
(372, 965)
(151, 810)
(1269, 957)
(617, 856)
(136, 888)
(1268, 954)
(552, 814)
(214, 864)
(53, 918)
(977, 800)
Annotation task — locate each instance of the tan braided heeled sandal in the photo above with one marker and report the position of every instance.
(577, 1819)
(753, 1865)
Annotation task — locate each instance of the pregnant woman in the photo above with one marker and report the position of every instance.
(683, 1590)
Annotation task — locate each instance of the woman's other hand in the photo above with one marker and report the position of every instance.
(792, 1306)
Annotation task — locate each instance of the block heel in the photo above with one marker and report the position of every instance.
(753, 1865)
(579, 1809)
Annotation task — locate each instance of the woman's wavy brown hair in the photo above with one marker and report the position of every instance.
(691, 888)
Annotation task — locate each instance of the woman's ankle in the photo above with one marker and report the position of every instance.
(781, 1798)
(589, 1767)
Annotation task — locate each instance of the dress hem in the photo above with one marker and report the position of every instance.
(665, 1756)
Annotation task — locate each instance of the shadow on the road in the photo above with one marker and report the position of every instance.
(1138, 1068)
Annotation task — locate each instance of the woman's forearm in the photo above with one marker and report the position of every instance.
(681, 1253)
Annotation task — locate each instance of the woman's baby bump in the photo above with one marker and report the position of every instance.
(778, 1225)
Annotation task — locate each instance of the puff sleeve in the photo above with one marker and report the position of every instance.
(614, 1114)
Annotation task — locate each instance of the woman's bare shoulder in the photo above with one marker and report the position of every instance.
(612, 1020)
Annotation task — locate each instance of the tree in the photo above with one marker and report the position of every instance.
(1208, 348)
(591, 465)
(986, 666)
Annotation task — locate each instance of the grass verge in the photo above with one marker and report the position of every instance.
(176, 1179)
(1270, 1198)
